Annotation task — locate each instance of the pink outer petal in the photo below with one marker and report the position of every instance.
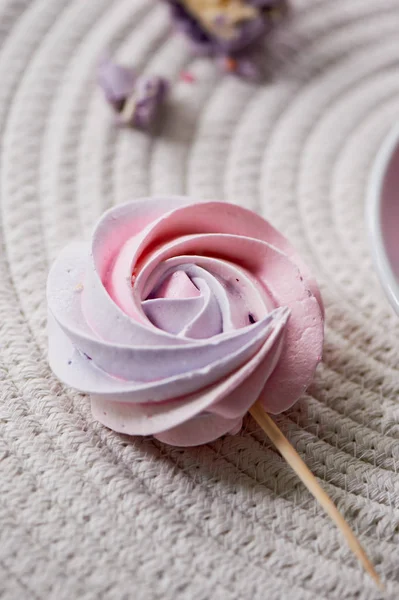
(203, 429)
(119, 224)
(302, 354)
(77, 371)
(240, 390)
(243, 397)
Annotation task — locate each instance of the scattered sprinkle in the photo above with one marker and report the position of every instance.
(79, 287)
(187, 77)
(133, 277)
(231, 64)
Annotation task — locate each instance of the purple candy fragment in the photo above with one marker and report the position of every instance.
(243, 46)
(136, 99)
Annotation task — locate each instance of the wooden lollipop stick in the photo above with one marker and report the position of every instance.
(307, 477)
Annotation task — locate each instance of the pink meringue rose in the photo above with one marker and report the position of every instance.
(180, 315)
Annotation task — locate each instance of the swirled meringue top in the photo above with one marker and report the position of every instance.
(179, 315)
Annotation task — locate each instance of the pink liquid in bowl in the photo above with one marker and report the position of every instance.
(383, 216)
(390, 212)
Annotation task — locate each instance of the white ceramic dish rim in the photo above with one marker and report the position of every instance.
(374, 217)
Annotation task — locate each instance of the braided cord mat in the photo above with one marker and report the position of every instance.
(86, 513)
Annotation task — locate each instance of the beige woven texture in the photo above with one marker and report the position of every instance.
(89, 514)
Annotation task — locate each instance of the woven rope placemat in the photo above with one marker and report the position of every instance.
(86, 513)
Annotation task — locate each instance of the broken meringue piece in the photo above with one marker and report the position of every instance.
(136, 99)
(233, 31)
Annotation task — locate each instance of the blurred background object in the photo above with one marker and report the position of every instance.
(86, 513)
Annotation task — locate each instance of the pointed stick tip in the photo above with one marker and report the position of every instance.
(309, 480)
